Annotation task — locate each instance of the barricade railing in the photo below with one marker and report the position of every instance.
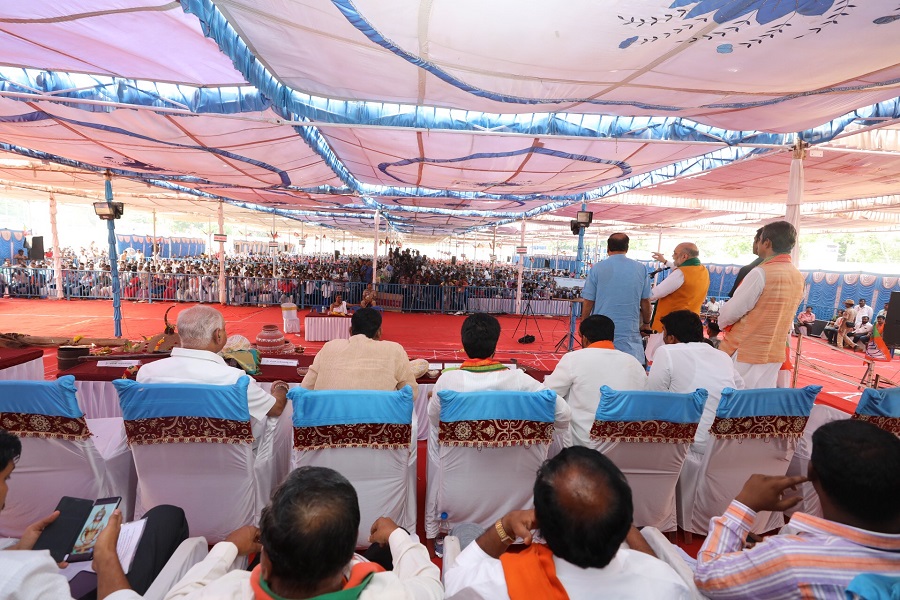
(264, 291)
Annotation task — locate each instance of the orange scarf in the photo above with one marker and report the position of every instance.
(602, 344)
(532, 574)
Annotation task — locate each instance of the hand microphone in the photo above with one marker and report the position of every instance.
(659, 270)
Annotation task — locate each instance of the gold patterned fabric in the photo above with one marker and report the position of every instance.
(667, 432)
(776, 426)
(165, 430)
(494, 433)
(380, 436)
(891, 424)
(43, 426)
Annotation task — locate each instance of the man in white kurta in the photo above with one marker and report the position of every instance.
(686, 363)
(576, 493)
(307, 536)
(480, 372)
(202, 332)
(862, 310)
(579, 375)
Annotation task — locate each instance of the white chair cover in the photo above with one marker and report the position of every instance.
(192, 447)
(820, 415)
(483, 459)
(289, 315)
(647, 435)
(370, 438)
(755, 431)
(62, 453)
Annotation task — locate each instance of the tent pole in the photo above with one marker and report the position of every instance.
(223, 297)
(57, 259)
(375, 251)
(578, 262)
(795, 195)
(113, 262)
(521, 270)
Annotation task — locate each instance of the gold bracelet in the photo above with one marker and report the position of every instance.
(504, 537)
(281, 385)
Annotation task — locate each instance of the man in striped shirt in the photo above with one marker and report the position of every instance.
(855, 469)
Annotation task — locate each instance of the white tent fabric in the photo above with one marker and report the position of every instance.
(452, 115)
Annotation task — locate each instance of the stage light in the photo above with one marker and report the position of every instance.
(108, 211)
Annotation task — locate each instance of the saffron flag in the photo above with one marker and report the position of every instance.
(876, 349)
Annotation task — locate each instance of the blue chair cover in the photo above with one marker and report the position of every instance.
(351, 407)
(50, 398)
(498, 404)
(650, 406)
(786, 402)
(156, 400)
(869, 586)
(879, 403)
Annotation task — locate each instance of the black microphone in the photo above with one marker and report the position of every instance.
(659, 270)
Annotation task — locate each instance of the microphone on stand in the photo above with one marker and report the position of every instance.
(659, 270)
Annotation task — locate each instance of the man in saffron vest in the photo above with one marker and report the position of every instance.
(684, 289)
(307, 535)
(583, 507)
(762, 310)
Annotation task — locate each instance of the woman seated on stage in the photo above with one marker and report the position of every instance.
(368, 297)
(338, 307)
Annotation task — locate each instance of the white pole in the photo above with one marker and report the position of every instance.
(153, 251)
(375, 252)
(222, 295)
(57, 259)
(795, 196)
(521, 270)
(493, 252)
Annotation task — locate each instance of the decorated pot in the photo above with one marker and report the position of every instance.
(270, 339)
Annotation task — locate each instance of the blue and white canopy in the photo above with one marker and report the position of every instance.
(455, 115)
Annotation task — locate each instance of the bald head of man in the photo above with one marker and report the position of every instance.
(685, 251)
(583, 504)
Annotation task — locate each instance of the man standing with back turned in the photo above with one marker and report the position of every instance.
(762, 310)
(619, 288)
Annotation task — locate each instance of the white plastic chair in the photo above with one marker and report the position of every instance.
(483, 458)
(192, 447)
(369, 437)
(63, 454)
(647, 435)
(755, 431)
(289, 315)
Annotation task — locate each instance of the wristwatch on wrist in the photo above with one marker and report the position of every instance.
(504, 537)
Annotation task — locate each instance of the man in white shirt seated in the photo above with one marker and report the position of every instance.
(579, 374)
(583, 508)
(307, 538)
(687, 362)
(202, 332)
(26, 573)
(480, 333)
(862, 333)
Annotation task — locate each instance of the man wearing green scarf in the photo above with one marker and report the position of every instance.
(684, 289)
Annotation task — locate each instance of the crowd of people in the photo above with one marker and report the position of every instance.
(578, 536)
(424, 283)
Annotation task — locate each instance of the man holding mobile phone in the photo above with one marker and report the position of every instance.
(29, 573)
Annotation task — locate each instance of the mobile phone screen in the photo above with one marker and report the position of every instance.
(96, 521)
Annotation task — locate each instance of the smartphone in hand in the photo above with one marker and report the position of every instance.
(83, 548)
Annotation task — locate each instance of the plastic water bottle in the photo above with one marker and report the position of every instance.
(443, 531)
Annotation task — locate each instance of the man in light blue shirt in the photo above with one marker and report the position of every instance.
(619, 288)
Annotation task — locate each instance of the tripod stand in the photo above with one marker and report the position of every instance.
(568, 341)
(528, 313)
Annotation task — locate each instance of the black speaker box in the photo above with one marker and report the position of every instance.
(37, 248)
(892, 321)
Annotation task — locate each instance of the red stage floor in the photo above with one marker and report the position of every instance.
(423, 335)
